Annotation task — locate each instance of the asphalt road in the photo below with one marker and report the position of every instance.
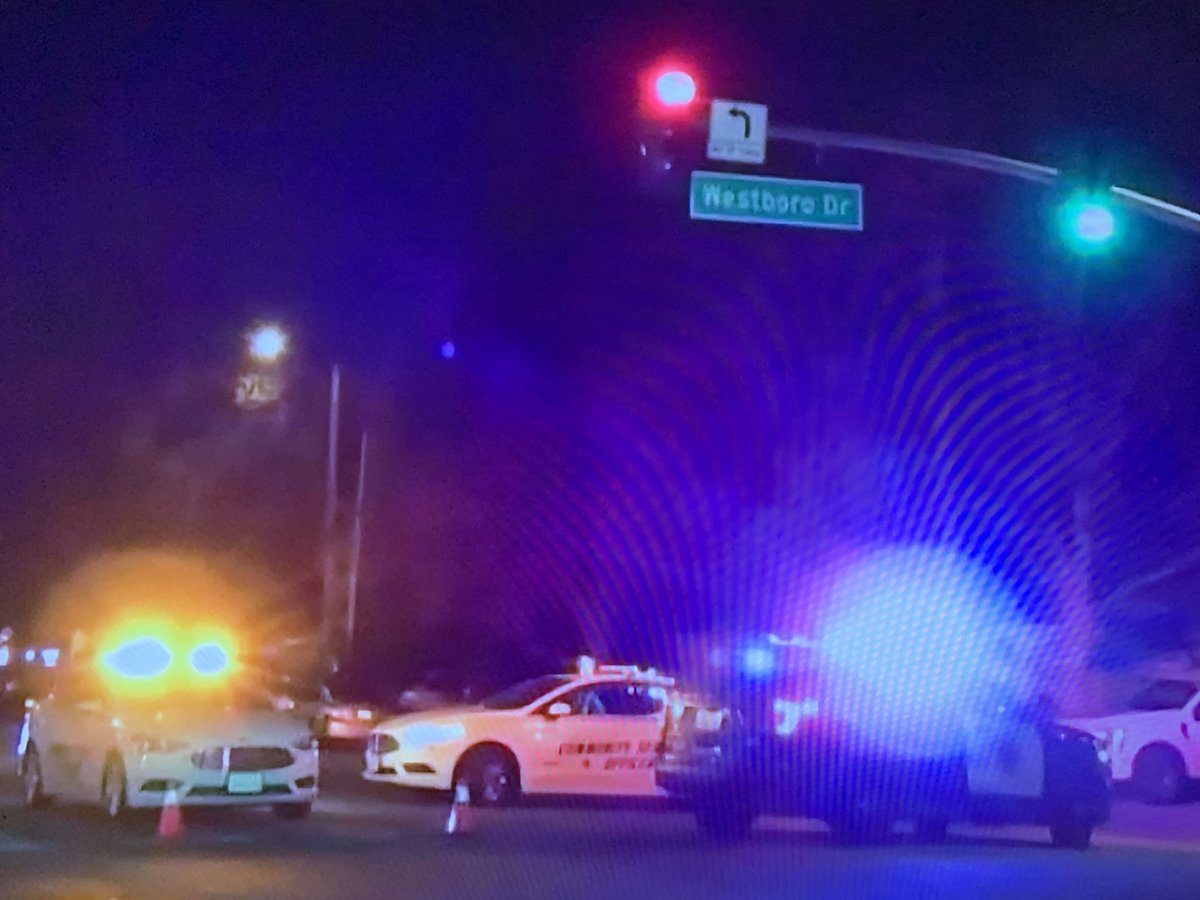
(367, 841)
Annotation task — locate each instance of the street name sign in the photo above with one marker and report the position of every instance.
(726, 197)
(737, 132)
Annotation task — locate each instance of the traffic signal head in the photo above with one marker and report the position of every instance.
(1088, 222)
(675, 87)
(668, 91)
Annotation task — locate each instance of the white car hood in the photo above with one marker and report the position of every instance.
(441, 715)
(1150, 720)
(218, 727)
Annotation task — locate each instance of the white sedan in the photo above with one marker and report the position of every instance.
(593, 733)
(201, 751)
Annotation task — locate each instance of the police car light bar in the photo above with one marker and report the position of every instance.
(588, 667)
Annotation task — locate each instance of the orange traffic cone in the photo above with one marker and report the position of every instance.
(461, 819)
(170, 822)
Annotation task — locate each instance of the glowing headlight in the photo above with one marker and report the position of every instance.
(427, 735)
(209, 660)
(140, 658)
(364, 714)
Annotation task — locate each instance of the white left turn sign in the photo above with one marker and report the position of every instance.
(737, 132)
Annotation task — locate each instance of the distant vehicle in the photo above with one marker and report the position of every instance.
(136, 726)
(591, 732)
(335, 719)
(777, 743)
(1155, 743)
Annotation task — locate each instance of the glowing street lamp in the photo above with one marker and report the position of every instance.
(267, 343)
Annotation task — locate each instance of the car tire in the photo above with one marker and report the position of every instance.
(864, 822)
(492, 777)
(931, 831)
(1071, 834)
(114, 790)
(725, 820)
(1159, 775)
(292, 812)
(33, 788)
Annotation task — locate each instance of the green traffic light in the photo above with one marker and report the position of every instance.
(1088, 223)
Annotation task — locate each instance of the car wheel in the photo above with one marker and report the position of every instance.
(1159, 775)
(1071, 834)
(113, 790)
(491, 776)
(292, 812)
(33, 789)
(728, 820)
(931, 831)
(864, 822)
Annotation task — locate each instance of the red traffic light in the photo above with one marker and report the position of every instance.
(675, 88)
(668, 90)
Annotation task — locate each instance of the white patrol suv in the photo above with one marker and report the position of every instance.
(594, 732)
(1155, 742)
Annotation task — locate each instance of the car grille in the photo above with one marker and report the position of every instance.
(379, 743)
(222, 791)
(243, 759)
(258, 759)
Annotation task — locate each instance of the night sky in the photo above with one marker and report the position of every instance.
(385, 178)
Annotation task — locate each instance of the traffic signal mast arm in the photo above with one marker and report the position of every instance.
(1163, 211)
(1169, 213)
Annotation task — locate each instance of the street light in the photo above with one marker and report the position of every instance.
(267, 343)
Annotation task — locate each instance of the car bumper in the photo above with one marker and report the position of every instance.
(348, 729)
(151, 781)
(410, 768)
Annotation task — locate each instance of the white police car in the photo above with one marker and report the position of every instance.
(139, 727)
(592, 732)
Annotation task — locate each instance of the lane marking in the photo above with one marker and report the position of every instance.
(10, 844)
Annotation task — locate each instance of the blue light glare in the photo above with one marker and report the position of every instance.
(912, 634)
(448, 350)
(139, 658)
(757, 662)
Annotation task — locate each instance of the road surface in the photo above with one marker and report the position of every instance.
(368, 841)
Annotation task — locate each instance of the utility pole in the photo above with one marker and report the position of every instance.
(328, 552)
(356, 543)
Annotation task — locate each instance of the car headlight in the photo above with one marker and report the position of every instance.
(364, 715)
(144, 744)
(428, 735)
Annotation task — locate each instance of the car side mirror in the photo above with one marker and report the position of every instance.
(558, 710)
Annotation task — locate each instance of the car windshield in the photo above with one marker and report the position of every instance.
(1165, 694)
(525, 692)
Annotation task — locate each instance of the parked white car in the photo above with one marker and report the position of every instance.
(593, 732)
(85, 745)
(1155, 742)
